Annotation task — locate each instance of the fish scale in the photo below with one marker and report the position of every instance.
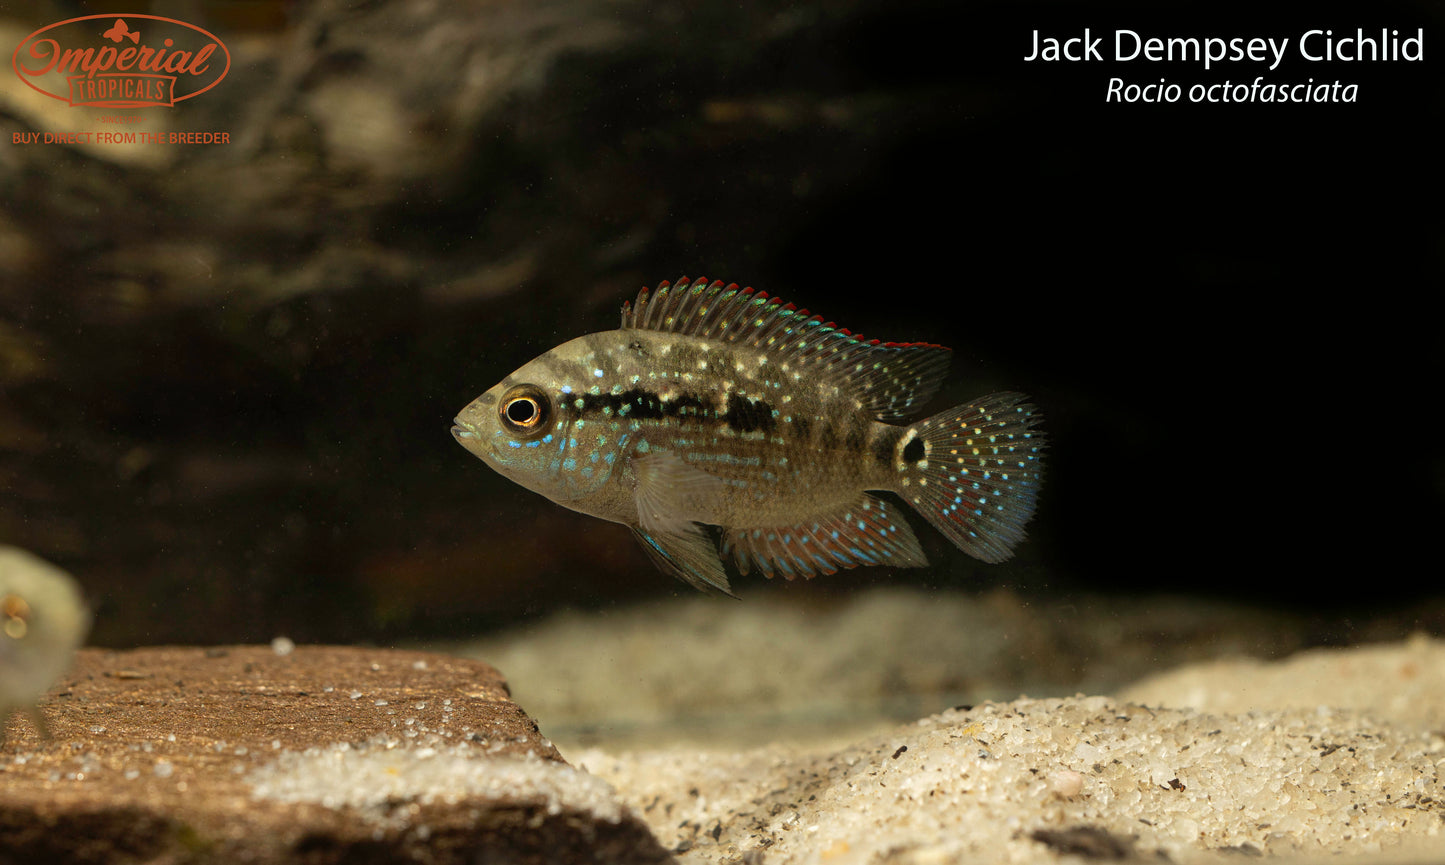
(714, 405)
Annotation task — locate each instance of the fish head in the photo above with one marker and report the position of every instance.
(526, 428)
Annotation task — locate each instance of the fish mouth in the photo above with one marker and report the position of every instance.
(461, 432)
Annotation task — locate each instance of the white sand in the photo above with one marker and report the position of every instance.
(369, 776)
(1401, 682)
(759, 732)
(978, 786)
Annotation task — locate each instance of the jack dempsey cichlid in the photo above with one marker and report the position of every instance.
(714, 405)
(43, 620)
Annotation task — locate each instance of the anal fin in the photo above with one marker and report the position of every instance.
(868, 531)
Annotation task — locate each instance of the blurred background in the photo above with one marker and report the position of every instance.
(227, 372)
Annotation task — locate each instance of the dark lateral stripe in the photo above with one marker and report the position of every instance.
(745, 415)
(639, 404)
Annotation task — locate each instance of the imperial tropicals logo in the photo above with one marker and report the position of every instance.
(121, 61)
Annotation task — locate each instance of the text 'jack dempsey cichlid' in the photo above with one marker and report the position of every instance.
(715, 405)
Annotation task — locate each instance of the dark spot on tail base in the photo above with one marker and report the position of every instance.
(913, 451)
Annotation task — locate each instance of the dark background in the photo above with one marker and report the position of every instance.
(226, 382)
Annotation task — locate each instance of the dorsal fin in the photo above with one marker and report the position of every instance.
(892, 379)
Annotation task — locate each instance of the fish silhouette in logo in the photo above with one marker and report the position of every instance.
(121, 31)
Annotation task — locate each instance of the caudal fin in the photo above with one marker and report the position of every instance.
(974, 471)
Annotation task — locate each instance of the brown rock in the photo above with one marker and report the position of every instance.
(318, 755)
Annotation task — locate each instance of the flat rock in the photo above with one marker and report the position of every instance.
(310, 754)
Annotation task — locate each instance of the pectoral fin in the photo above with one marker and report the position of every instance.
(670, 493)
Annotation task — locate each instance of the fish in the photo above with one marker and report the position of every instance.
(120, 31)
(43, 620)
(715, 409)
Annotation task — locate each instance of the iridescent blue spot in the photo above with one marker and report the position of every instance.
(547, 438)
(512, 444)
(643, 447)
(609, 457)
(586, 471)
(593, 457)
(569, 464)
(597, 373)
(566, 388)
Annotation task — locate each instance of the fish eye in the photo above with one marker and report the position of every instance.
(524, 410)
